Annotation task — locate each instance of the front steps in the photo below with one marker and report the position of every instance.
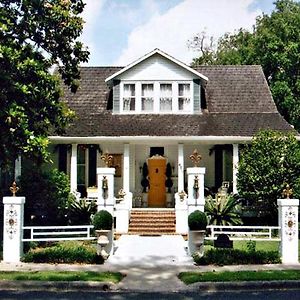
(152, 222)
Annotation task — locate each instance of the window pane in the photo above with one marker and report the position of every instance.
(129, 97)
(147, 97)
(184, 89)
(165, 97)
(184, 98)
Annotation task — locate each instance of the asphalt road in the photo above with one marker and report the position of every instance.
(268, 294)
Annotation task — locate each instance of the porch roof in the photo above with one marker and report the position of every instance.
(239, 103)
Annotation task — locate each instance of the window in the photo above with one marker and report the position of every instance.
(184, 97)
(165, 99)
(147, 97)
(129, 97)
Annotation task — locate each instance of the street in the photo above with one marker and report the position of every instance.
(267, 294)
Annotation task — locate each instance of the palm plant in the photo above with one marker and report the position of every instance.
(223, 210)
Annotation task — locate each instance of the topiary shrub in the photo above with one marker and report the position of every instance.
(197, 220)
(102, 220)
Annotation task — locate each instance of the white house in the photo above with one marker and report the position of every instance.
(157, 110)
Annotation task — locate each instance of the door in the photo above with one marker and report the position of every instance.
(157, 179)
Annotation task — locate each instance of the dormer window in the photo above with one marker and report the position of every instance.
(157, 97)
(165, 97)
(184, 97)
(129, 97)
(147, 97)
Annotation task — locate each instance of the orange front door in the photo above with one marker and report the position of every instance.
(157, 179)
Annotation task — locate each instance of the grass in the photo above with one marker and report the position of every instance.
(192, 277)
(113, 277)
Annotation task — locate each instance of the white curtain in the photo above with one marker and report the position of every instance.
(166, 97)
(184, 97)
(129, 97)
(147, 97)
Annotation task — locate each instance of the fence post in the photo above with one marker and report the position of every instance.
(13, 228)
(288, 222)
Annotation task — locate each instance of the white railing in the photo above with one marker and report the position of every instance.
(57, 233)
(239, 233)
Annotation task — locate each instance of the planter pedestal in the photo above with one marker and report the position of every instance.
(103, 243)
(196, 242)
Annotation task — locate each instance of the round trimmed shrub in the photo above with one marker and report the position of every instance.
(102, 220)
(197, 220)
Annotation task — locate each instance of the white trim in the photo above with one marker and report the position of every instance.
(165, 55)
(137, 139)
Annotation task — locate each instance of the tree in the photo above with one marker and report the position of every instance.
(266, 166)
(274, 44)
(35, 35)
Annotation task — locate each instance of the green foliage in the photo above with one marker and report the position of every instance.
(220, 256)
(64, 252)
(36, 35)
(192, 277)
(102, 220)
(223, 210)
(55, 275)
(274, 45)
(46, 195)
(266, 166)
(197, 220)
(251, 246)
(80, 211)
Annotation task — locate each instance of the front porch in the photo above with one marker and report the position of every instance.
(136, 171)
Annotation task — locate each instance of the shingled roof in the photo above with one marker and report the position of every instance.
(239, 103)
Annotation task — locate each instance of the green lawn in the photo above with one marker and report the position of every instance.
(260, 245)
(192, 277)
(63, 276)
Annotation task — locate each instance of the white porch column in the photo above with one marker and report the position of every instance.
(18, 167)
(180, 168)
(126, 169)
(288, 222)
(13, 228)
(235, 165)
(73, 173)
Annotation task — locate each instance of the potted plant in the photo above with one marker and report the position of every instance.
(103, 222)
(169, 184)
(145, 184)
(197, 222)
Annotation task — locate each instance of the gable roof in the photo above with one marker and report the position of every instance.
(238, 99)
(161, 53)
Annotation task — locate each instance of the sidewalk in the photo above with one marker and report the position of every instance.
(150, 264)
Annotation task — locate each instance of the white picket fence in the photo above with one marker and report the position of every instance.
(57, 233)
(239, 233)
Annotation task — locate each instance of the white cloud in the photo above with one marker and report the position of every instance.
(170, 31)
(90, 15)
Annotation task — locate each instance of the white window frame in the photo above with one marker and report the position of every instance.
(156, 104)
(126, 83)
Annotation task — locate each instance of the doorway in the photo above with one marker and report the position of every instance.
(157, 180)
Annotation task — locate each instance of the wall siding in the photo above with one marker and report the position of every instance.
(157, 68)
(116, 96)
(197, 96)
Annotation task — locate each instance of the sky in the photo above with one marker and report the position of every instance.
(117, 32)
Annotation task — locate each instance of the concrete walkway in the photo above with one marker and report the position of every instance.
(150, 264)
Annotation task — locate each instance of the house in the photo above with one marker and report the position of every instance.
(157, 110)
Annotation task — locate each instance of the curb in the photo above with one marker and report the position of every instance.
(57, 285)
(245, 285)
